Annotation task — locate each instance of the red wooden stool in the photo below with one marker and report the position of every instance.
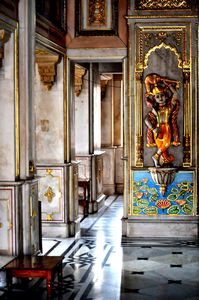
(35, 266)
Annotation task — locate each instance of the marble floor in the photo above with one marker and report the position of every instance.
(102, 265)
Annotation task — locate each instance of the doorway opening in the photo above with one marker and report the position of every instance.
(97, 136)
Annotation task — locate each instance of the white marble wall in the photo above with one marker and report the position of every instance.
(26, 85)
(111, 137)
(119, 170)
(107, 117)
(113, 171)
(18, 218)
(82, 119)
(7, 113)
(109, 171)
(96, 108)
(49, 119)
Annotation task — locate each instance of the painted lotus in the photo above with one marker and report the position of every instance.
(163, 204)
(147, 200)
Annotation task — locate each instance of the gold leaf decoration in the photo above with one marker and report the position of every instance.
(163, 4)
(49, 194)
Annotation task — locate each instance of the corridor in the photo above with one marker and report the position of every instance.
(102, 265)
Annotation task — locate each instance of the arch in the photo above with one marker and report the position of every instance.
(162, 45)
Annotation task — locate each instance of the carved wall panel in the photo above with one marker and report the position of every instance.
(84, 167)
(96, 17)
(10, 223)
(163, 122)
(59, 201)
(51, 193)
(164, 51)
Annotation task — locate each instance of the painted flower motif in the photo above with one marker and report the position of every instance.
(139, 195)
(163, 203)
(181, 202)
(145, 180)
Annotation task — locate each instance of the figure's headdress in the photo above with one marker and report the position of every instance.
(157, 90)
(156, 84)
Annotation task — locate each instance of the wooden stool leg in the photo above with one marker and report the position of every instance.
(60, 277)
(9, 280)
(49, 287)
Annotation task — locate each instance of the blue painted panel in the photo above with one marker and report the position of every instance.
(148, 200)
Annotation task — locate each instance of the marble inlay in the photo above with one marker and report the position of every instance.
(102, 264)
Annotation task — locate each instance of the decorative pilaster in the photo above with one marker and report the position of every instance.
(187, 123)
(139, 151)
(138, 125)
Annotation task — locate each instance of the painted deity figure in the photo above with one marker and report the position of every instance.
(161, 120)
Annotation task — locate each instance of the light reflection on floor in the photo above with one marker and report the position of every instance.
(102, 265)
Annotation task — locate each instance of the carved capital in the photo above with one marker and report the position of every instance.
(139, 76)
(4, 37)
(80, 72)
(186, 76)
(47, 63)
